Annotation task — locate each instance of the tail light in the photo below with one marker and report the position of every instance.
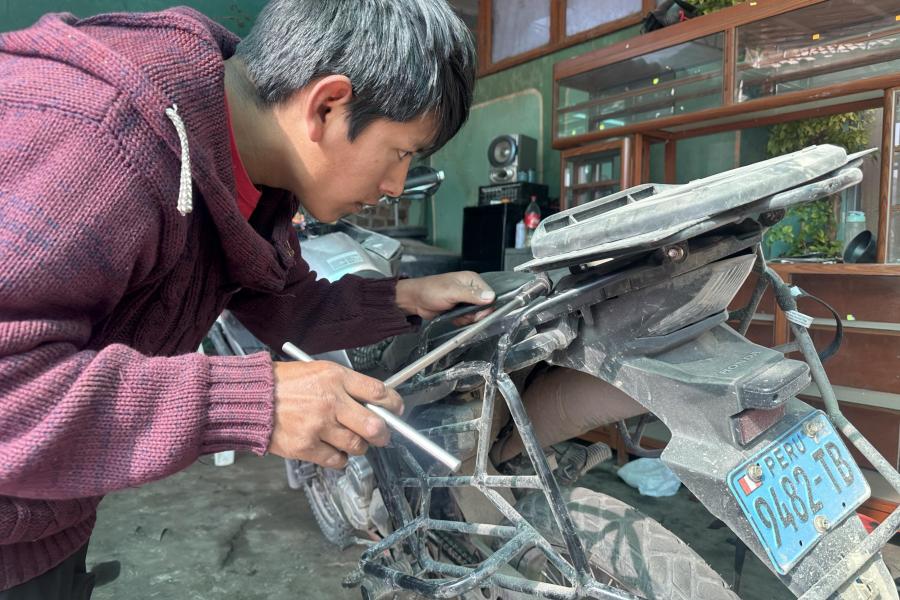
(752, 423)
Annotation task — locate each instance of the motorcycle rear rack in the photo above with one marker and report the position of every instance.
(519, 537)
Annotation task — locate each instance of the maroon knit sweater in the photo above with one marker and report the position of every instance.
(106, 289)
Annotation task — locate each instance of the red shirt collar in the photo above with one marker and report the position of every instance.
(247, 193)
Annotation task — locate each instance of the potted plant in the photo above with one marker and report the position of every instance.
(811, 229)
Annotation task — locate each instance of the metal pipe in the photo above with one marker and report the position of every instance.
(510, 481)
(551, 488)
(533, 588)
(507, 552)
(398, 424)
(501, 531)
(758, 292)
(526, 293)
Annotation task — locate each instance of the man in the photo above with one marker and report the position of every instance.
(148, 175)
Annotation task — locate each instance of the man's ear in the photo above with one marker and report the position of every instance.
(326, 95)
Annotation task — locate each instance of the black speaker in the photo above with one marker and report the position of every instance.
(512, 156)
(487, 232)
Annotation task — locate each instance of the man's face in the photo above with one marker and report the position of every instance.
(342, 177)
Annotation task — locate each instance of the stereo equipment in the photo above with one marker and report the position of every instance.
(513, 157)
(515, 193)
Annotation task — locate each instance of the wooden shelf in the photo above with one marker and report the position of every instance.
(891, 270)
(593, 185)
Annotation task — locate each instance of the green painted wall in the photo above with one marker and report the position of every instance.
(237, 15)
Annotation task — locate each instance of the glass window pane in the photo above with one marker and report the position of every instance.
(824, 44)
(582, 15)
(519, 26)
(671, 81)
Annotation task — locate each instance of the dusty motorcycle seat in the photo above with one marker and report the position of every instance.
(649, 213)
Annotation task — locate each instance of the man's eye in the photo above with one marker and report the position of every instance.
(404, 153)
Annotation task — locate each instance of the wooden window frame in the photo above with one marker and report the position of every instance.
(887, 212)
(558, 37)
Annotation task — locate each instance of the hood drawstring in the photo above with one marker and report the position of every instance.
(185, 198)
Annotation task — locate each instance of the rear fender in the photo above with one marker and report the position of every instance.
(697, 387)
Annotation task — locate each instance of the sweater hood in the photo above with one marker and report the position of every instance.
(170, 65)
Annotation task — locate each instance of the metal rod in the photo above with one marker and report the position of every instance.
(521, 299)
(396, 423)
(510, 481)
(760, 289)
(501, 531)
(505, 554)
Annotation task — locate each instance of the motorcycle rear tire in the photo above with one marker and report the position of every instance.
(640, 554)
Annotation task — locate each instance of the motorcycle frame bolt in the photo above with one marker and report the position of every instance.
(755, 473)
(675, 253)
(822, 524)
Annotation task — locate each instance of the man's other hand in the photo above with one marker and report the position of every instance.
(429, 296)
(318, 415)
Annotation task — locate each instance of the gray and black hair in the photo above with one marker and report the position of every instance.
(404, 58)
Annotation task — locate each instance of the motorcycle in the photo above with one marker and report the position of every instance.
(631, 291)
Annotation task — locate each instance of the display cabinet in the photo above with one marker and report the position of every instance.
(733, 65)
(755, 64)
(680, 79)
(594, 171)
(816, 47)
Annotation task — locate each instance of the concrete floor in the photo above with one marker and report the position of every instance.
(240, 532)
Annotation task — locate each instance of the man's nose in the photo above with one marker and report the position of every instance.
(392, 185)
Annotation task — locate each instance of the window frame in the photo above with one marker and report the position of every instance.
(558, 37)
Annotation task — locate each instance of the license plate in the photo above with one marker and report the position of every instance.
(798, 488)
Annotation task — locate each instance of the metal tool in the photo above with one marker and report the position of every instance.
(395, 422)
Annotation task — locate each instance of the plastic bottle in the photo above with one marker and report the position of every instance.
(854, 225)
(532, 219)
(520, 234)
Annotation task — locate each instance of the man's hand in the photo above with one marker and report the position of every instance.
(428, 297)
(318, 415)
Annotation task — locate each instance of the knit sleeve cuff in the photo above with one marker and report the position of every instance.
(379, 305)
(241, 404)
